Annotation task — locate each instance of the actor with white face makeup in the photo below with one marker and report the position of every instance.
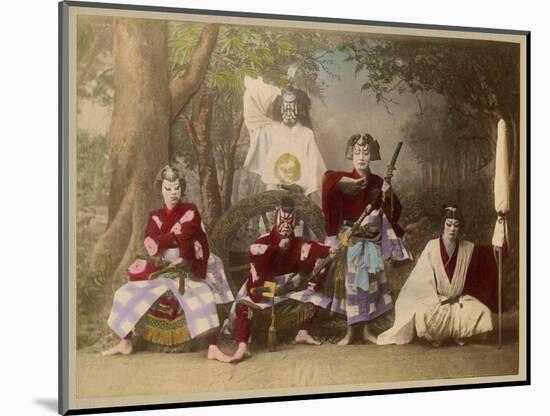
(178, 262)
(447, 294)
(346, 195)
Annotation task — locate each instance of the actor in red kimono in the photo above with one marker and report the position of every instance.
(345, 196)
(174, 236)
(283, 258)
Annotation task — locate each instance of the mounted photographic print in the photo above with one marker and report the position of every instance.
(260, 207)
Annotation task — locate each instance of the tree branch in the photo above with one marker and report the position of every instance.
(184, 86)
(191, 131)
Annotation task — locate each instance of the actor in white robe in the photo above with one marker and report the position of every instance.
(282, 152)
(432, 304)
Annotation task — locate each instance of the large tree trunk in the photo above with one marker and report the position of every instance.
(143, 108)
(138, 138)
(210, 191)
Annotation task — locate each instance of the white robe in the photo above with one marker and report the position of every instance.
(278, 153)
(419, 301)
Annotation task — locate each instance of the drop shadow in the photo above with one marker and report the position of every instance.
(49, 404)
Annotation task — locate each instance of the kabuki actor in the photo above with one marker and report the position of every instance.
(282, 148)
(346, 196)
(179, 261)
(449, 292)
(287, 260)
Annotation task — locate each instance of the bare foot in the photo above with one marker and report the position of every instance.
(242, 353)
(436, 344)
(459, 342)
(124, 347)
(302, 337)
(368, 335)
(348, 338)
(214, 353)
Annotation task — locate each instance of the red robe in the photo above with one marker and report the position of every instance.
(191, 234)
(339, 206)
(481, 277)
(159, 226)
(274, 262)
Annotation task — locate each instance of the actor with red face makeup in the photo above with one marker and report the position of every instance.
(450, 291)
(280, 257)
(174, 237)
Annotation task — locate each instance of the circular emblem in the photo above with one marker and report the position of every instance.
(287, 169)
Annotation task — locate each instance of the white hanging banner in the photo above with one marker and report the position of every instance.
(502, 186)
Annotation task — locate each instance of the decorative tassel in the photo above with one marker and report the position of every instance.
(165, 337)
(339, 280)
(272, 332)
(339, 288)
(291, 320)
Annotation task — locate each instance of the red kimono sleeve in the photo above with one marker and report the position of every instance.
(332, 202)
(193, 244)
(482, 277)
(264, 266)
(153, 231)
(392, 207)
(317, 251)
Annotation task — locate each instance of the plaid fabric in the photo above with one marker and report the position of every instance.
(304, 296)
(363, 305)
(393, 247)
(217, 280)
(134, 299)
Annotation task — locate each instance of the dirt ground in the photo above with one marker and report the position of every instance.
(146, 373)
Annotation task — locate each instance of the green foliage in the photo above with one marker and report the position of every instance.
(93, 170)
(94, 59)
(436, 133)
(93, 177)
(244, 51)
(252, 51)
(182, 148)
(473, 76)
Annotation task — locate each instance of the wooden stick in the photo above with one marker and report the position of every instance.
(499, 254)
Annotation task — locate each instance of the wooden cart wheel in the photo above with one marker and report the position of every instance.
(243, 223)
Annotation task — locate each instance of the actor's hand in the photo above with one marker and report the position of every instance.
(179, 260)
(355, 185)
(151, 246)
(333, 251)
(386, 187)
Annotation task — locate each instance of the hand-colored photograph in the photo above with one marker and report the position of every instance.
(267, 206)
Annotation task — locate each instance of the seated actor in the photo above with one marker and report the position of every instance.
(179, 261)
(288, 260)
(448, 292)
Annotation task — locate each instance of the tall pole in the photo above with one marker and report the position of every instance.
(502, 207)
(499, 255)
